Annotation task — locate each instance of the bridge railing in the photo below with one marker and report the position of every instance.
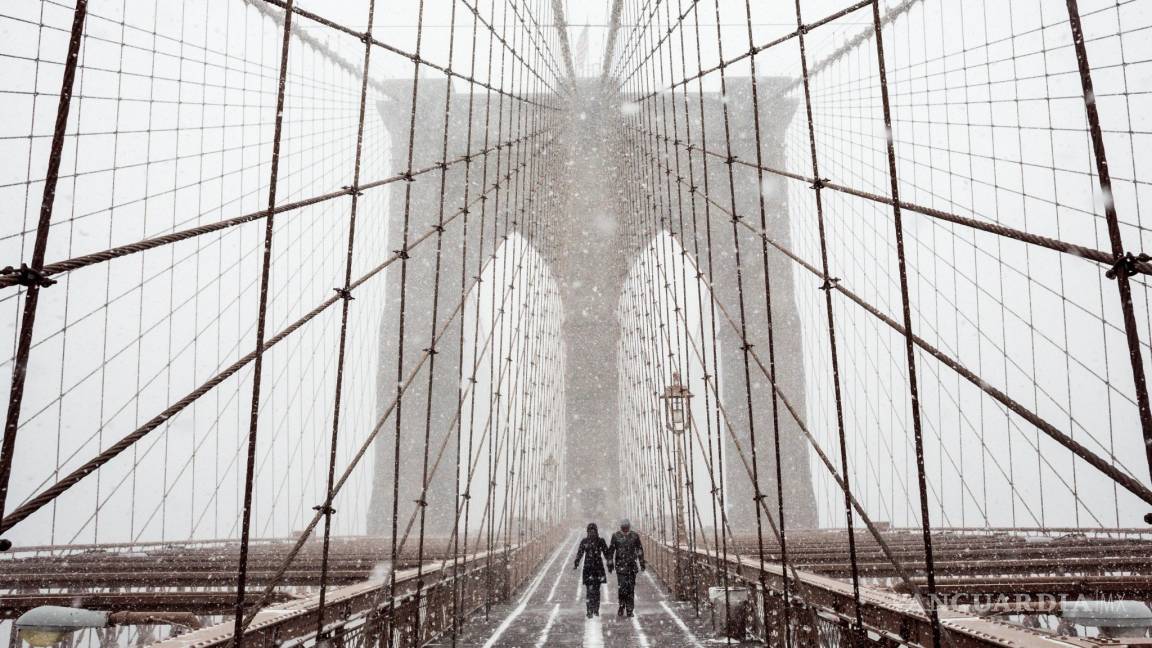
(819, 611)
(426, 606)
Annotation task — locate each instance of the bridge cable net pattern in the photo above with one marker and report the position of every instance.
(224, 368)
(281, 296)
(895, 250)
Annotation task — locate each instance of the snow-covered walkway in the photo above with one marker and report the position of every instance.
(549, 611)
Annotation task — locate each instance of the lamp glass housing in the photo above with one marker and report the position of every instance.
(43, 637)
(675, 399)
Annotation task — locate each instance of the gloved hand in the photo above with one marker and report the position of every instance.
(575, 567)
(643, 567)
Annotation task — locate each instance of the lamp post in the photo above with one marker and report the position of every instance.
(550, 469)
(676, 399)
(48, 625)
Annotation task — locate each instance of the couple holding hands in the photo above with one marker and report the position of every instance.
(624, 554)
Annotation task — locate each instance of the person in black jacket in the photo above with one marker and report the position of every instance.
(592, 548)
(625, 553)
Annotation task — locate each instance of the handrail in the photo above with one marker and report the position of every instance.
(356, 607)
(821, 605)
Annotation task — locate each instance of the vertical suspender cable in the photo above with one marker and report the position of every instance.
(745, 346)
(466, 496)
(1125, 262)
(830, 315)
(769, 320)
(401, 332)
(346, 293)
(262, 318)
(430, 385)
(31, 276)
(722, 557)
(909, 345)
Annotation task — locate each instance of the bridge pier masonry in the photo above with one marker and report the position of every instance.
(590, 276)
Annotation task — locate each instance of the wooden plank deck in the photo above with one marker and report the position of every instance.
(549, 612)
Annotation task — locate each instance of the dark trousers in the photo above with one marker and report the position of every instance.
(592, 600)
(626, 592)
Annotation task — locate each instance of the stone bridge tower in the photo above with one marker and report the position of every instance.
(590, 282)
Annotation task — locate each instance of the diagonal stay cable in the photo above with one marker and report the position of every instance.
(1121, 478)
(51, 493)
(414, 57)
(33, 275)
(1058, 245)
(75, 263)
(306, 533)
(896, 563)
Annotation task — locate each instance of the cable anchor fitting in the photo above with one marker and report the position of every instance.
(830, 283)
(1126, 266)
(28, 277)
(402, 253)
(819, 183)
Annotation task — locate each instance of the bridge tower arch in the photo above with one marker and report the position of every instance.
(589, 250)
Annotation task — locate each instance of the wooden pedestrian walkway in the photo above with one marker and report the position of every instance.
(549, 612)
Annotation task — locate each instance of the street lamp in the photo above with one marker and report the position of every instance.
(676, 399)
(47, 625)
(1113, 619)
(550, 465)
(550, 469)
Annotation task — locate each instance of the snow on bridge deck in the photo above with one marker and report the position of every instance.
(549, 611)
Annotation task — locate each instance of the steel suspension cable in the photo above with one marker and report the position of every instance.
(31, 276)
(261, 321)
(422, 501)
(341, 346)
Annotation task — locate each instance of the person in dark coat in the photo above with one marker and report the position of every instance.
(592, 549)
(626, 554)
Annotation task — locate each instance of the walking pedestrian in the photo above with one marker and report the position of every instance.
(592, 549)
(626, 554)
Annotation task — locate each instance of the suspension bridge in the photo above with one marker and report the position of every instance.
(333, 324)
